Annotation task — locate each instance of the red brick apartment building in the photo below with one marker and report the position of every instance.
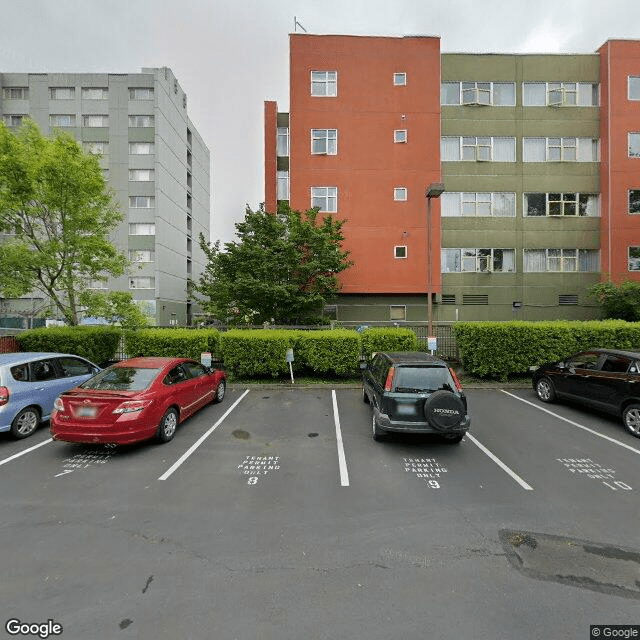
(539, 156)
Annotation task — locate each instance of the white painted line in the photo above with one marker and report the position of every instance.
(200, 440)
(17, 455)
(501, 464)
(575, 424)
(344, 473)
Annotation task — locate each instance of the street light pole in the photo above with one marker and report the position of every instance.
(434, 190)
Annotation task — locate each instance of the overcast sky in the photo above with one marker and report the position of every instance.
(231, 55)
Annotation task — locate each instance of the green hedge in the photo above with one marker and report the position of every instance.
(377, 339)
(172, 343)
(98, 344)
(332, 351)
(500, 349)
(259, 352)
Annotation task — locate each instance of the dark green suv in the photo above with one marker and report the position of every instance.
(412, 392)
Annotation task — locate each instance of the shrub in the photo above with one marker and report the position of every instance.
(388, 339)
(98, 344)
(259, 352)
(172, 343)
(500, 349)
(336, 351)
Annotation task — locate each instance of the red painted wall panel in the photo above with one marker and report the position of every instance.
(368, 165)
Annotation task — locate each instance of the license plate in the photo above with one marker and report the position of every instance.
(87, 412)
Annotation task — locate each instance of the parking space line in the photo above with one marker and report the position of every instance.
(575, 424)
(342, 462)
(501, 464)
(200, 440)
(17, 455)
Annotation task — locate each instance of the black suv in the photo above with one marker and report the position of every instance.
(414, 392)
(603, 379)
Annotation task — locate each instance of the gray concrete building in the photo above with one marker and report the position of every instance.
(153, 159)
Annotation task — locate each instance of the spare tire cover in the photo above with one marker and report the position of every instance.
(444, 410)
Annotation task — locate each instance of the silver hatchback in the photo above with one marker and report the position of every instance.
(30, 383)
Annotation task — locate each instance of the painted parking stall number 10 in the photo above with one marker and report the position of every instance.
(594, 470)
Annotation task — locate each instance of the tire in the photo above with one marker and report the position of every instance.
(25, 423)
(631, 419)
(365, 397)
(378, 433)
(168, 425)
(444, 411)
(545, 390)
(220, 392)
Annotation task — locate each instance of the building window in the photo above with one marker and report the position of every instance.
(142, 229)
(325, 199)
(561, 204)
(634, 201)
(400, 193)
(399, 79)
(62, 120)
(97, 284)
(141, 202)
(478, 260)
(141, 256)
(282, 185)
(561, 260)
(634, 258)
(560, 150)
(397, 312)
(634, 87)
(282, 143)
(141, 148)
(471, 204)
(634, 145)
(324, 83)
(13, 120)
(400, 252)
(95, 121)
(324, 142)
(62, 93)
(141, 93)
(497, 94)
(95, 93)
(400, 135)
(141, 121)
(560, 94)
(142, 282)
(478, 149)
(96, 148)
(15, 93)
(141, 175)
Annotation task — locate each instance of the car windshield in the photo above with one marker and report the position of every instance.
(415, 379)
(122, 379)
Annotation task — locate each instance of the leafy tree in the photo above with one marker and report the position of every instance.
(54, 206)
(282, 269)
(621, 302)
(116, 307)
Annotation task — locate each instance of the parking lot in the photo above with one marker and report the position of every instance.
(275, 515)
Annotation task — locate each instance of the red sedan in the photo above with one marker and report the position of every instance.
(136, 400)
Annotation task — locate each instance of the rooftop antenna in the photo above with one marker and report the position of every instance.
(296, 24)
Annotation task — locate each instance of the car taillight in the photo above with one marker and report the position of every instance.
(58, 405)
(455, 379)
(4, 395)
(131, 406)
(388, 384)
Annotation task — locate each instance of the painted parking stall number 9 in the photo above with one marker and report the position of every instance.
(427, 468)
